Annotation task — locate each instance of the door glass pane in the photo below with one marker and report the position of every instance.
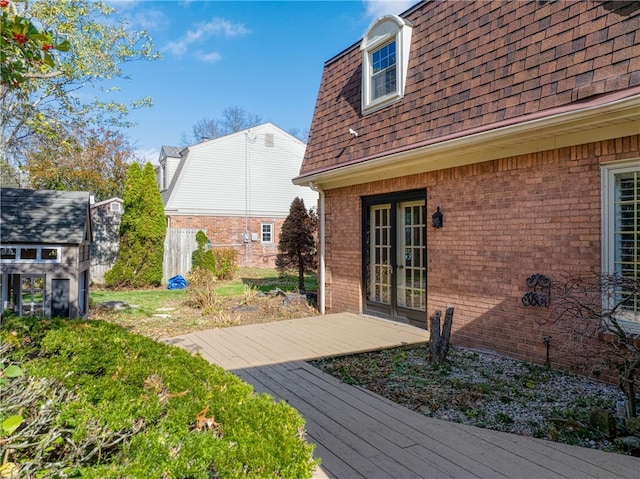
(411, 287)
(379, 287)
(32, 295)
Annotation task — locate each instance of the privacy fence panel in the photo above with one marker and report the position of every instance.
(179, 244)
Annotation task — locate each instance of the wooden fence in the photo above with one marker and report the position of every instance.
(179, 244)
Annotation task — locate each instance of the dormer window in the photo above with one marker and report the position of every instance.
(385, 60)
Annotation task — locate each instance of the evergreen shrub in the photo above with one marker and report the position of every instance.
(202, 257)
(147, 409)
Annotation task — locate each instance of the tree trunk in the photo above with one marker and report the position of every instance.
(439, 342)
(301, 287)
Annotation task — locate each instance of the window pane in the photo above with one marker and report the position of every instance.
(627, 233)
(383, 71)
(28, 253)
(267, 236)
(8, 253)
(49, 254)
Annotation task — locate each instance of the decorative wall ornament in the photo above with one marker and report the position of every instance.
(540, 288)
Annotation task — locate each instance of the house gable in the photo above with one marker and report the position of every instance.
(476, 68)
(247, 173)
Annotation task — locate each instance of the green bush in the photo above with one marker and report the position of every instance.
(202, 257)
(222, 262)
(142, 233)
(154, 410)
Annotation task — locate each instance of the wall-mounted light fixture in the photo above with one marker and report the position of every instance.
(436, 219)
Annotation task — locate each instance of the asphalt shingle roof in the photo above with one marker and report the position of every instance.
(43, 216)
(473, 65)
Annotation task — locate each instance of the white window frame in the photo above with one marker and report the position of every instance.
(271, 233)
(609, 172)
(32, 308)
(385, 30)
(38, 258)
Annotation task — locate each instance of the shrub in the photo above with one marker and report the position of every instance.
(203, 257)
(222, 262)
(297, 244)
(226, 262)
(153, 410)
(200, 293)
(142, 232)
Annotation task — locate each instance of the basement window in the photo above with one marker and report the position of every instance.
(385, 60)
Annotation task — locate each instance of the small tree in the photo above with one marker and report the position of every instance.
(591, 312)
(297, 243)
(142, 232)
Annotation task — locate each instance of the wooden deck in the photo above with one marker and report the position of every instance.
(359, 434)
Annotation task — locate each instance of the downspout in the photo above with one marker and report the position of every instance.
(321, 266)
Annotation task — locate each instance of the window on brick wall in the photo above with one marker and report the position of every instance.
(621, 232)
(266, 232)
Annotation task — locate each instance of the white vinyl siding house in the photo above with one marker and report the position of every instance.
(245, 173)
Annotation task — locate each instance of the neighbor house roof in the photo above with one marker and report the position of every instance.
(172, 151)
(43, 216)
(479, 67)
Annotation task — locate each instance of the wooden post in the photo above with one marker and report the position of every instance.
(439, 342)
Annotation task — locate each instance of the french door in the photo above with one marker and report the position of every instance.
(395, 260)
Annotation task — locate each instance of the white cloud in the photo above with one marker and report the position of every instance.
(212, 57)
(377, 8)
(204, 31)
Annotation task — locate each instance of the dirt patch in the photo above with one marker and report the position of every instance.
(175, 317)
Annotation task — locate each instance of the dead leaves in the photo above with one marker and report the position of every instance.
(155, 384)
(204, 423)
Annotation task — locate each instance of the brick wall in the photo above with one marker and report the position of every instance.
(228, 232)
(504, 220)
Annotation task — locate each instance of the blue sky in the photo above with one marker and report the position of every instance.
(265, 57)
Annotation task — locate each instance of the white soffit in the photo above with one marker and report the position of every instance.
(612, 120)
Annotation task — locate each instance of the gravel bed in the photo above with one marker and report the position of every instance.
(484, 389)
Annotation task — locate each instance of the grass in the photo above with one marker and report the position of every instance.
(263, 279)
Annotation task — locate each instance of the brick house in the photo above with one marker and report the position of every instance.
(518, 123)
(236, 188)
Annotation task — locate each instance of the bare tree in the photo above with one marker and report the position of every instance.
(205, 129)
(597, 315)
(234, 119)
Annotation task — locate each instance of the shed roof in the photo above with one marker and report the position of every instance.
(44, 216)
(476, 66)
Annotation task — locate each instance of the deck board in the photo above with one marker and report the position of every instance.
(361, 435)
